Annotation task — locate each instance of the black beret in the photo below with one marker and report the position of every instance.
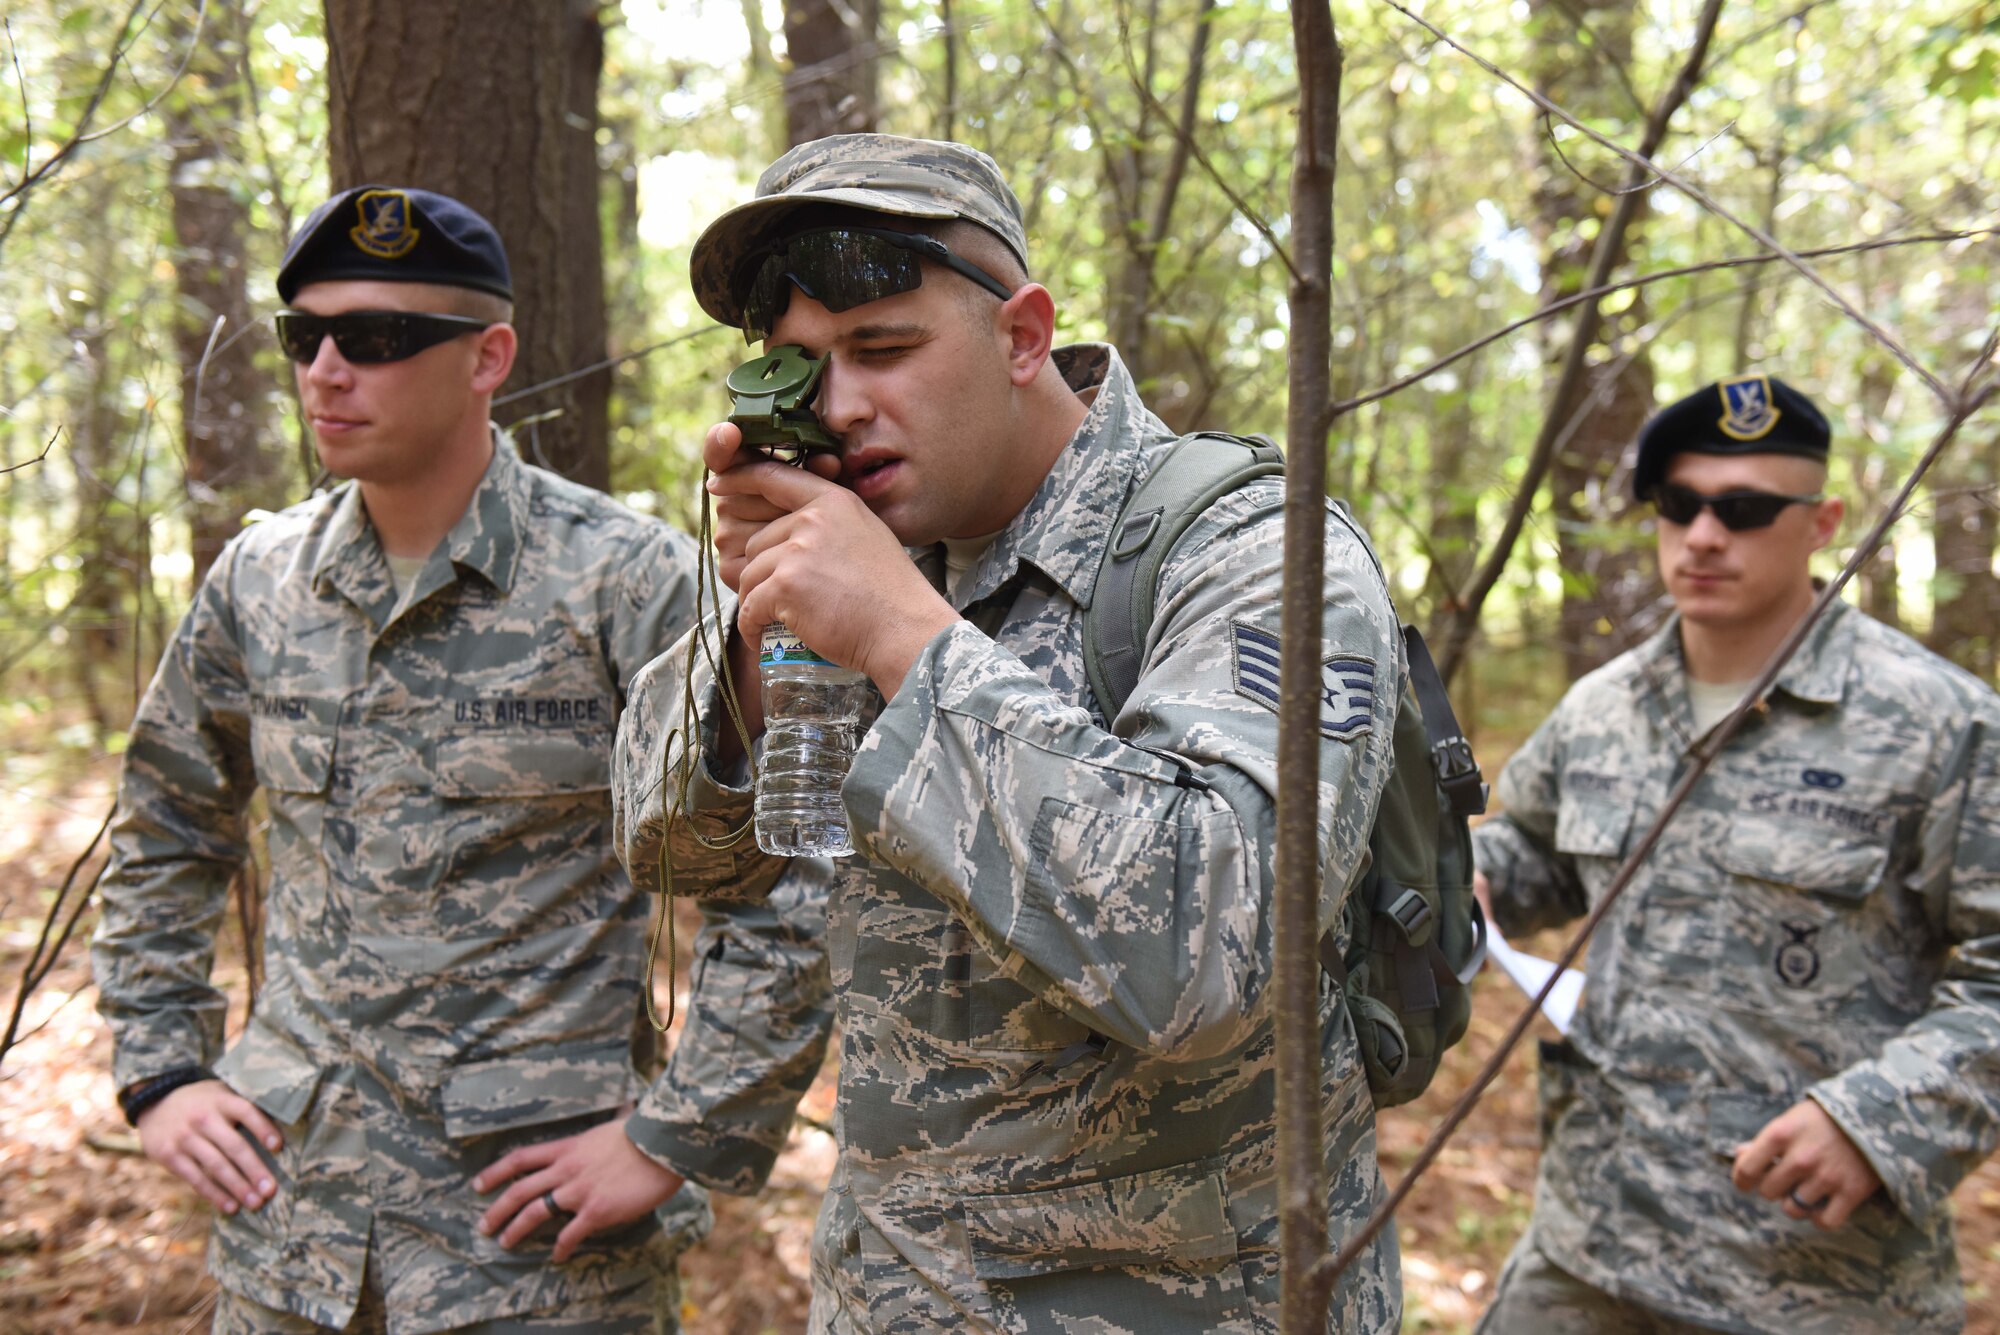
(399, 236)
(1745, 414)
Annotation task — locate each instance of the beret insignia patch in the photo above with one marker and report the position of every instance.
(385, 230)
(1747, 410)
(1346, 683)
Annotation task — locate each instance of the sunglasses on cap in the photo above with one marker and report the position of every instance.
(368, 338)
(845, 267)
(1735, 510)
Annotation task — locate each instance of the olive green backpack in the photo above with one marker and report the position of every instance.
(1416, 936)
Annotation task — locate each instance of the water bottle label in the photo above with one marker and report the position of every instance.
(781, 646)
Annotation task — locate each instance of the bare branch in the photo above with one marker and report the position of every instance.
(1561, 304)
(1642, 160)
(30, 463)
(595, 367)
(1463, 618)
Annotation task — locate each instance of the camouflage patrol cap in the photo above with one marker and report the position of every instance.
(881, 173)
(396, 235)
(1745, 414)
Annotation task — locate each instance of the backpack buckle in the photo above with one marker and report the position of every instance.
(1458, 774)
(1410, 912)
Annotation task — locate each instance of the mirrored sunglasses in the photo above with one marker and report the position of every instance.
(845, 267)
(1735, 510)
(368, 338)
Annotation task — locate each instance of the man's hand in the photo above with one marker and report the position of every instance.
(598, 1179)
(197, 1133)
(1803, 1155)
(826, 567)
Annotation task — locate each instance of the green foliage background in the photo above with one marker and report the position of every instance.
(1831, 123)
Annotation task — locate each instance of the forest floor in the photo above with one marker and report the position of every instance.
(94, 1239)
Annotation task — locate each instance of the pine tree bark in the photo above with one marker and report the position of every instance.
(1604, 580)
(831, 87)
(495, 104)
(229, 469)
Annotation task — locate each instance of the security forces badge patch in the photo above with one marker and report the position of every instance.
(1748, 412)
(1797, 960)
(385, 230)
(1346, 683)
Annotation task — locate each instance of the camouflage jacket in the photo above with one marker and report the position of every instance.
(453, 956)
(1051, 952)
(1821, 920)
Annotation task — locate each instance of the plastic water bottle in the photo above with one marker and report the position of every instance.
(811, 708)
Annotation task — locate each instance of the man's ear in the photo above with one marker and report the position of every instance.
(498, 345)
(1027, 320)
(1827, 515)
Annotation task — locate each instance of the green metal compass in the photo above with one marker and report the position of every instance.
(773, 407)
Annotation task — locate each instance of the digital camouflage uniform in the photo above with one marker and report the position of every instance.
(1821, 919)
(453, 956)
(1051, 951)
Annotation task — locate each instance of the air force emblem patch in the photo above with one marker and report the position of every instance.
(1346, 684)
(1747, 410)
(385, 230)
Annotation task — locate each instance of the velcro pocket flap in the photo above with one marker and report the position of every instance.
(1592, 828)
(269, 1069)
(1836, 869)
(513, 764)
(1169, 1214)
(535, 1088)
(290, 759)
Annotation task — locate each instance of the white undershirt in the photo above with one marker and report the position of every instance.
(961, 554)
(403, 570)
(1711, 701)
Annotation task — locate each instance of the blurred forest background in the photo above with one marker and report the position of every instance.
(155, 154)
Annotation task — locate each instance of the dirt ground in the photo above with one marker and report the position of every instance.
(94, 1239)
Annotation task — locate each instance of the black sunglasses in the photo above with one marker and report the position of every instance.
(368, 338)
(844, 267)
(1736, 510)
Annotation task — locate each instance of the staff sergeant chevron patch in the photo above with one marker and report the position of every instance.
(1346, 683)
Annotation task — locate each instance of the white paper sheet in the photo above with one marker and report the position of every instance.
(1529, 972)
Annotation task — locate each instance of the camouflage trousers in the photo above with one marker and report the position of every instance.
(648, 1309)
(1537, 1297)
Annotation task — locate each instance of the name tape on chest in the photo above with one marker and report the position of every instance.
(1346, 683)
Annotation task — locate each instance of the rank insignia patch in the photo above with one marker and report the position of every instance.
(1747, 410)
(385, 230)
(1797, 960)
(1346, 684)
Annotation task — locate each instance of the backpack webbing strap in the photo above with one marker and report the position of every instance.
(1198, 471)
(1451, 754)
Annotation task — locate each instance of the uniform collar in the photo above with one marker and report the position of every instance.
(1817, 674)
(486, 539)
(1063, 529)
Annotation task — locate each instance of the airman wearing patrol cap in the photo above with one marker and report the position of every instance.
(1783, 1061)
(424, 1127)
(1052, 945)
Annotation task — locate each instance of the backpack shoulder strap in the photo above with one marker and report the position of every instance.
(1198, 471)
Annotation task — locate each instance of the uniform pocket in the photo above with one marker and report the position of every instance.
(512, 764)
(1804, 921)
(1149, 1251)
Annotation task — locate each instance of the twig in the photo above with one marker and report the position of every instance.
(1643, 161)
(1561, 304)
(43, 957)
(30, 463)
(608, 362)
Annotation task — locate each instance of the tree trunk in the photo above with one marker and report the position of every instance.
(1879, 596)
(495, 104)
(1603, 577)
(228, 469)
(1966, 621)
(831, 86)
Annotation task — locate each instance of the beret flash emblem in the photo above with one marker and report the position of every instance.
(385, 230)
(1747, 410)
